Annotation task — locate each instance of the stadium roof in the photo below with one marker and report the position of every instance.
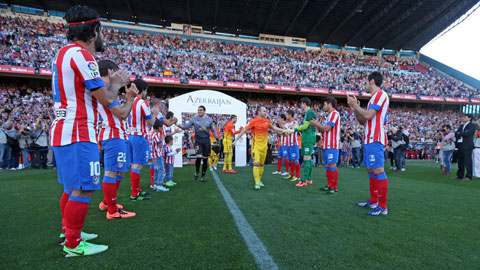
(392, 24)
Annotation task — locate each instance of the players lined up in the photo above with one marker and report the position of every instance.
(83, 91)
(374, 117)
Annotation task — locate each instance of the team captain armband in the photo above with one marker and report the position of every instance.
(115, 103)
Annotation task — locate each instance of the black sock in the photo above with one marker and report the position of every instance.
(204, 166)
(197, 165)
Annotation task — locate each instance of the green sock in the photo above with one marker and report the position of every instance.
(307, 170)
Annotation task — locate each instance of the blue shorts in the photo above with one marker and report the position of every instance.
(115, 155)
(330, 156)
(293, 152)
(283, 151)
(139, 149)
(78, 166)
(374, 155)
(343, 153)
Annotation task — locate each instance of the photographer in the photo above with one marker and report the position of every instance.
(24, 141)
(13, 150)
(391, 154)
(398, 145)
(404, 148)
(356, 147)
(448, 146)
(4, 148)
(40, 143)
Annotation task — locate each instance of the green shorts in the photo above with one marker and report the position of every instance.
(307, 149)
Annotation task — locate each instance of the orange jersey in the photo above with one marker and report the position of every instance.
(229, 131)
(212, 138)
(259, 128)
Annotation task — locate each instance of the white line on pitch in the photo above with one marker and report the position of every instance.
(254, 244)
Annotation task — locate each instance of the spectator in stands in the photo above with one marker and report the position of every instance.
(32, 42)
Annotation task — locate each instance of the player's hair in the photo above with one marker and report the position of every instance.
(257, 111)
(283, 116)
(291, 112)
(169, 115)
(141, 85)
(83, 31)
(233, 116)
(306, 100)
(447, 126)
(158, 124)
(377, 77)
(168, 139)
(105, 65)
(156, 101)
(469, 115)
(331, 100)
(203, 107)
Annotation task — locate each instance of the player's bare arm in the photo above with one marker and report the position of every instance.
(317, 125)
(124, 111)
(118, 80)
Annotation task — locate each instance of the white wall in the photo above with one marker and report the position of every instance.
(215, 103)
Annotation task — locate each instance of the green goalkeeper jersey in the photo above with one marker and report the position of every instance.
(308, 131)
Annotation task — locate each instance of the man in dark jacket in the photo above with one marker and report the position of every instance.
(464, 135)
(398, 145)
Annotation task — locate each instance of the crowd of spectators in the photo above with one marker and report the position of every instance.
(25, 118)
(26, 111)
(33, 43)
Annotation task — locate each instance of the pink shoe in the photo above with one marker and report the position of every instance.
(309, 182)
(301, 184)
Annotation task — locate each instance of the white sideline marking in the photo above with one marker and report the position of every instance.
(254, 244)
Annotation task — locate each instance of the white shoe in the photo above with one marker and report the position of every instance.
(151, 186)
(211, 169)
(214, 167)
(276, 172)
(284, 173)
(161, 189)
(13, 169)
(403, 169)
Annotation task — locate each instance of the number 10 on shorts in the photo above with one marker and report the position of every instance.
(94, 168)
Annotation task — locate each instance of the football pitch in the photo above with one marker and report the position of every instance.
(433, 223)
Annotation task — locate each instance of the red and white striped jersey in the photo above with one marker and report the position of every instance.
(375, 127)
(331, 138)
(137, 120)
(292, 139)
(346, 146)
(111, 126)
(169, 159)
(167, 130)
(156, 144)
(283, 140)
(75, 75)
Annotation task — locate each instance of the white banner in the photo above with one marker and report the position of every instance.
(215, 103)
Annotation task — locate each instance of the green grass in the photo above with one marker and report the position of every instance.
(433, 223)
